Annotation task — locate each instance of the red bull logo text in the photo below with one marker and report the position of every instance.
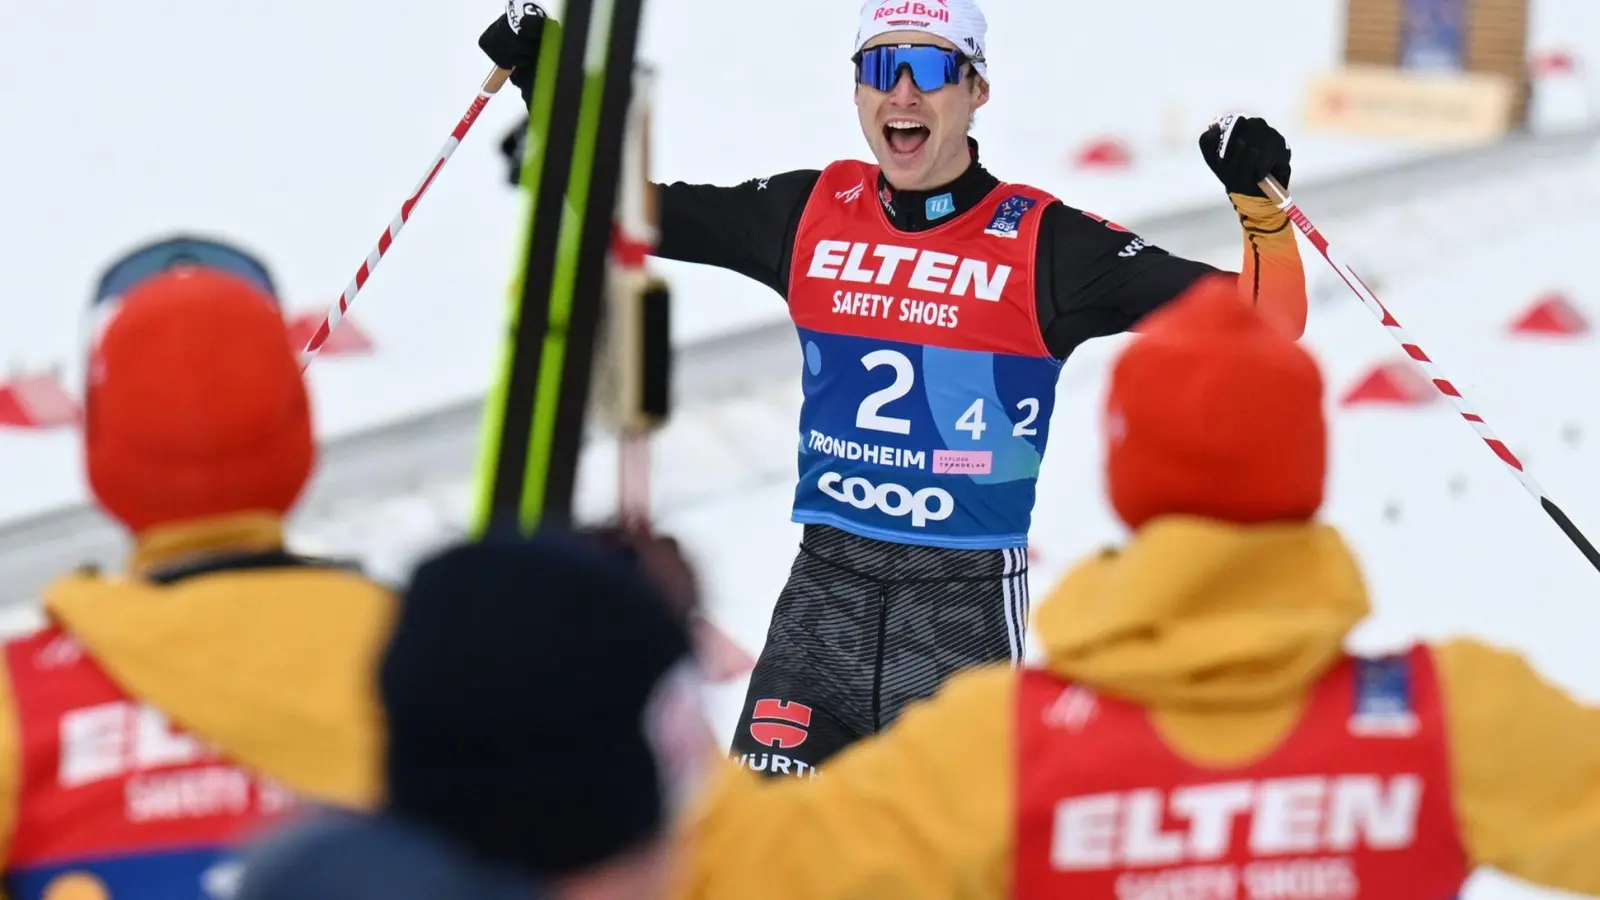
(933, 12)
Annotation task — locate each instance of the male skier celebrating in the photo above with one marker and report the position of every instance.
(935, 306)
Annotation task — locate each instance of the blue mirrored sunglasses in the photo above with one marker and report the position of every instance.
(137, 266)
(931, 67)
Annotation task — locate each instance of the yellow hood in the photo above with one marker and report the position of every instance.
(272, 665)
(1195, 614)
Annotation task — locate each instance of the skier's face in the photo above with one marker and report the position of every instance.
(920, 137)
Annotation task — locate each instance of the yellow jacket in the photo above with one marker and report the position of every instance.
(1220, 631)
(275, 666)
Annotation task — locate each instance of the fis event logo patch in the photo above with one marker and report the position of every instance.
(1009, 216)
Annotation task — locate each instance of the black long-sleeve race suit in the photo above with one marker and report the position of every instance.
(1087, 286)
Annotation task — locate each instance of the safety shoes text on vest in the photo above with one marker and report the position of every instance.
(905, 269)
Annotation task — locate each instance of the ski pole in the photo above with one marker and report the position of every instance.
(491, 86)
(1280, 195)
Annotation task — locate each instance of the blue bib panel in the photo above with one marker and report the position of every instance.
(921, 445)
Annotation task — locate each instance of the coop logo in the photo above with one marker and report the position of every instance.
(937, 11)
(924, 506)
(780, 723)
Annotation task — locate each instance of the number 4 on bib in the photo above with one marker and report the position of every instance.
(972, 420)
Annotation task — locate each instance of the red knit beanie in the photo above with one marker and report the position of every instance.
(1212, 412)
(195, 406)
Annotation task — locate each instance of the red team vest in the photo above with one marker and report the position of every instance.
(928, 387)
(1355, 803)
(114, 801)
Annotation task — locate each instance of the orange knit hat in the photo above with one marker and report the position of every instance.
(1212, 412)
(195, 406)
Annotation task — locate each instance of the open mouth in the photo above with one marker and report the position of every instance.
(905, 138)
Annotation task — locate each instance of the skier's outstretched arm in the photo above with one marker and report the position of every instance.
(747, 228)
(1525, 757)
(921, 810)
(1241, 151)
(1097, 278)
(1272, 276)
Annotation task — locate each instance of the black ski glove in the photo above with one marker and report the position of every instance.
(512, 42)
(1254, 150)
(511, 148)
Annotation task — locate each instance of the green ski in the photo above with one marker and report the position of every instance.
(534, 414)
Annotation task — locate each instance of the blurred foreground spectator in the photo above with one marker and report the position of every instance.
(545, 725)
(165, 713)
(1197, 726)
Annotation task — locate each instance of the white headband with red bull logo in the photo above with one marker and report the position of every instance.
(960, 22)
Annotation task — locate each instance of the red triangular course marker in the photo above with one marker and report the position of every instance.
(1393, 383)
(1103, 153)
(1551, 315)
(1551, 64)
(346, 340)
(36, 402)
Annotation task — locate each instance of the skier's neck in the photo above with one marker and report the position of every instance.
(921, 210)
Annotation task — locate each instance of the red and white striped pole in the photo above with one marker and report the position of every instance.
(1280, 195)
(491, 86)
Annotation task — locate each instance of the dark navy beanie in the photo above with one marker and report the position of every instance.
(517, 684)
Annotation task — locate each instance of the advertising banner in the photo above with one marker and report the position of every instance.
(1466, 107)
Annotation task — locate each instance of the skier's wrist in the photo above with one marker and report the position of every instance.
(1258, 213)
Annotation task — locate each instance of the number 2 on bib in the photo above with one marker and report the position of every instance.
(869, 414)
(905, 375)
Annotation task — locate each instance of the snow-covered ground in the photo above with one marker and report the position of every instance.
(298, 127)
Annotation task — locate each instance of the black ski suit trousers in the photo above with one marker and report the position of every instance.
(862, 629)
